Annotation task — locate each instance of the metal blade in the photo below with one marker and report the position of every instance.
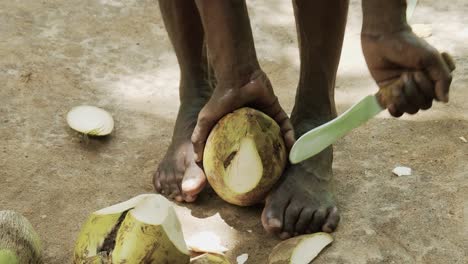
(319, 138)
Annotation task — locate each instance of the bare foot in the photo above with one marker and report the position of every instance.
(178, 176)
(302, 202)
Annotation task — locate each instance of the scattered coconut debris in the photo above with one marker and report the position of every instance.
(90, 120)
(206, 242)
(241, 259)
(463, 139)
(43, 216)
(250, 231)
(402, 171)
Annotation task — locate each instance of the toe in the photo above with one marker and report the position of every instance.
(332, 220)
(318, 220)
(163, 182)
(304, 219)
(156, 182)
(273, 214)
(193, 182)
(291, 215)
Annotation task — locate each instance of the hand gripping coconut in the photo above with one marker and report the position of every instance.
(244, 156)
(144, 229)
(19, 243)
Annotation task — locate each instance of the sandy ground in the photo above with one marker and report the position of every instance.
(57, 54)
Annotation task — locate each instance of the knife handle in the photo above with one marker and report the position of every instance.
(389, 93)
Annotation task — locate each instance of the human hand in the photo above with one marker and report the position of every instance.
(257, 93)
(412, 72)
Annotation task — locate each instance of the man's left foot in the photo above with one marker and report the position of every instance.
(302, 202)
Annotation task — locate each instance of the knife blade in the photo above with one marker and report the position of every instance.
(319, 138)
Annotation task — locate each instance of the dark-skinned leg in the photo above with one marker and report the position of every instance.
(240, 81)
(178, 176)
(302, 201)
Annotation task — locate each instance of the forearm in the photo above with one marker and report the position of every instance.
(229, 40)
(383, 16)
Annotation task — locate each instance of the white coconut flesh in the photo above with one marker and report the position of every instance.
(310, 247)
(245, 169)
(90, 120)
(152, 209)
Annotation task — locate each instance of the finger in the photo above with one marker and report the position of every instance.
(394, 111)
(392, 96)
(426, 86)
(275, 111)
(439, 73)
(413, 96)
(449, 61)
(207, 118)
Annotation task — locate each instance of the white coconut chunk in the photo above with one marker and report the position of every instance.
(310, 247)
(402, 171)
(463, 139)
(246, 169)
(152, 209)
(206, 242)
(241, 259)
(90, 120)
(157, 210)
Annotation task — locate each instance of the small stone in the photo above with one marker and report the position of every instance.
(43, 216)
(402, 171)
(241, 259)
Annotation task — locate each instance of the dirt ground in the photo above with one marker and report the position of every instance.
(57, 54)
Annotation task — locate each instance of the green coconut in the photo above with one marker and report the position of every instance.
(144, 229)
(19, 243)
(244, 156)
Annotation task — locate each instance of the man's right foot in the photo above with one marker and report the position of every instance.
(178, 176)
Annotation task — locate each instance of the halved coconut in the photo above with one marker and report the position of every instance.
(300, 250)
(90, 120)
(210, 258)
(144, 229)
(244, 156)
(19, 243)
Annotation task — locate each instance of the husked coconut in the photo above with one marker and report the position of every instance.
(244, 156)
(144, 229)
(19, 243)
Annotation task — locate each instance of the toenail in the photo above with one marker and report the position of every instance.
(326, 228)
(274, 223)
(189, 184)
